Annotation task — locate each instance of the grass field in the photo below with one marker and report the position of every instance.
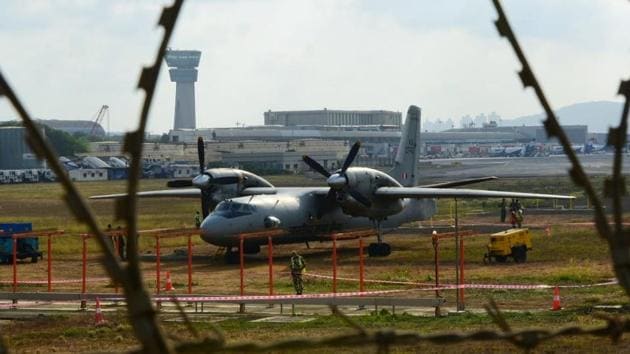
(571, 256)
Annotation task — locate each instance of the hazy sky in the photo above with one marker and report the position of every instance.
(66, 58)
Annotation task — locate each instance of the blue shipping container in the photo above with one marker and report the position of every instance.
(26, 247)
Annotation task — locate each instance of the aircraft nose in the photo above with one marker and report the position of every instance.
(210, 227)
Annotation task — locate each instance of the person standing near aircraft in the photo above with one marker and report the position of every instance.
(111, 239)
(121, 243)
(197, 219)
(513, 220)
(519, 213)
(297, 266)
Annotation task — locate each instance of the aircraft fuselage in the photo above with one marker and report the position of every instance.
(307, 214)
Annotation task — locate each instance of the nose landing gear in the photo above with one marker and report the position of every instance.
(380, 248)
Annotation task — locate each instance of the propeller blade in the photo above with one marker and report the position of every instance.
(201, 153)
(315, 165)
(360, 198)
(205, 195)
(179, 183)
(205, 203)
(351, 156)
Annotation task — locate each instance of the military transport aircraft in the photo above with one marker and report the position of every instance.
(356, 198)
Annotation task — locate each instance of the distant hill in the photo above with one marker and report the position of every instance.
(598, 115)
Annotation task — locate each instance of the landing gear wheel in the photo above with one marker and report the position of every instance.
(251, 249)
(386, 249)
(500, 259)
(372, 249)
(232, 257)
(379, 249)
(519, 254)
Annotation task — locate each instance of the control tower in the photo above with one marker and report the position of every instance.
(183, 71)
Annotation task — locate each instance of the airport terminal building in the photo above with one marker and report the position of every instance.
(332, 117)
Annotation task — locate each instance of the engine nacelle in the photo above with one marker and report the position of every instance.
(225, 183)
(365, 181)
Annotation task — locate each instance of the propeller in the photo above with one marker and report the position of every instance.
(207, 180)
(338, 181)
(315, 165)
(201, 153)
(351, 156)
(202, 181)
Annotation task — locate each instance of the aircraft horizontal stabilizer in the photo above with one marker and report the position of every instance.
(423, 192)
(166, 193)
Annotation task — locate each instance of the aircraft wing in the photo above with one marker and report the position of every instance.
(183, 193)
(423, 192)
(460, 182)
(165, 193)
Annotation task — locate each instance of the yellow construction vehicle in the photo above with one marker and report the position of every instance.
(509, 243)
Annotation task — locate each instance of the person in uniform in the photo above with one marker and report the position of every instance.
(513, 219)
(121, 243)
(297, 266)
(503, 210)
(109, 232)
(197, 219)
(519, 218)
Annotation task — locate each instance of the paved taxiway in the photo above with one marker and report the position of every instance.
(549, 166)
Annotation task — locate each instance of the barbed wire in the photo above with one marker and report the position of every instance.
(150, 332)
(384, 339)
(139, 306)
(614, 187)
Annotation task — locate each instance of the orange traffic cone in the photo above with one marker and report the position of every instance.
(555, 306)
(169, 283)
(99, 320)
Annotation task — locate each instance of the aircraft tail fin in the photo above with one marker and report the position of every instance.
(405, 164)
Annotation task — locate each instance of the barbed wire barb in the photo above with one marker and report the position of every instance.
(497, 317)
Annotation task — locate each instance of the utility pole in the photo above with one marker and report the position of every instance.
(458, 271)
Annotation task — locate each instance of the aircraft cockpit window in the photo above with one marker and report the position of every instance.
(223, 207)
(234, 210)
